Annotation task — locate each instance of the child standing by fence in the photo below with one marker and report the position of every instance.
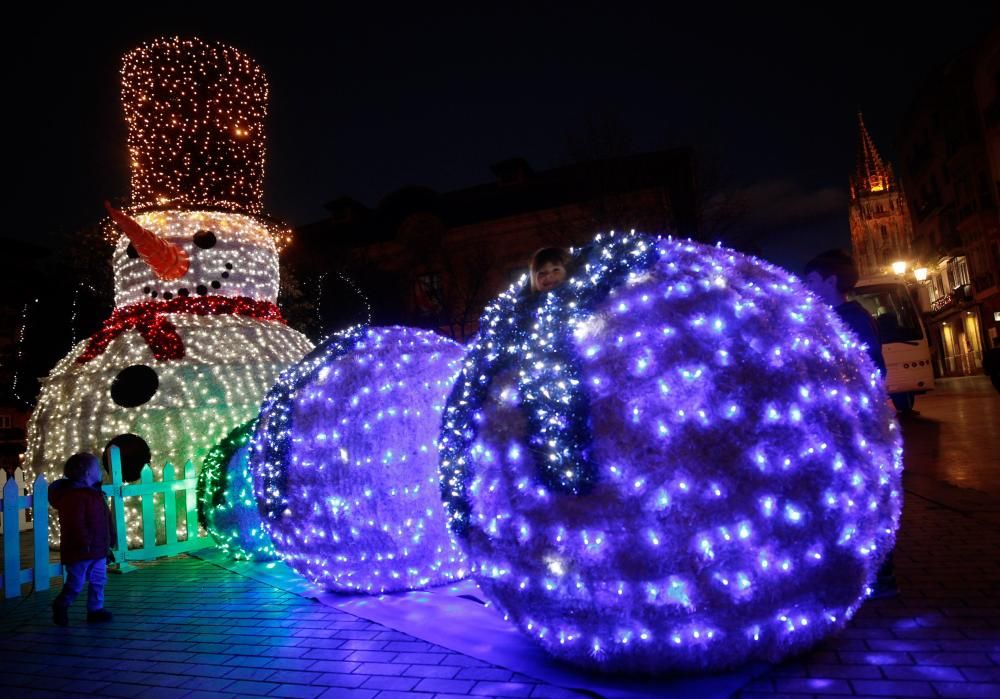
(87, 536)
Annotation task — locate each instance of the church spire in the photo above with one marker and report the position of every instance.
(871, 175)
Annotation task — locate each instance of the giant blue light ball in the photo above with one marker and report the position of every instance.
(344, 462)
(679, 460)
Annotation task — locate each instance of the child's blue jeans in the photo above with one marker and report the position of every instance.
(95, 572)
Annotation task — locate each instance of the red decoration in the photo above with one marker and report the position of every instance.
(149, 318)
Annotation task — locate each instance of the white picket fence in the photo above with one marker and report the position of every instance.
(13, 505)
(174, 519)
(22, 514)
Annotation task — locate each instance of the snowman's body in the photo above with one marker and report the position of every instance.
(182, 361)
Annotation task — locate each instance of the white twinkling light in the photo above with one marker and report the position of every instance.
(238, 258)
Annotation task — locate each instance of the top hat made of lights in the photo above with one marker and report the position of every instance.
(195, 112)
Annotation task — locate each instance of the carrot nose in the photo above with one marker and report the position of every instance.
(167, 260)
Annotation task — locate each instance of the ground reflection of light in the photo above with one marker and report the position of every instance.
(817, 683)
(880, 659)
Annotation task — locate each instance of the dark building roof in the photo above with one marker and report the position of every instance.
(517, 190)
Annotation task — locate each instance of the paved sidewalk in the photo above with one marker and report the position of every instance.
(186, 628)
(941, 636)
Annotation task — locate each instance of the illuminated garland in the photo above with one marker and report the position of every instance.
(533, 335)
(20, 351)
(226, 504)
(149, 319)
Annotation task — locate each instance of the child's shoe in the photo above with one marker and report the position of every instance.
(98, 616)
(60, 614)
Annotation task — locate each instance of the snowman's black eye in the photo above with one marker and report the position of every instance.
(132, 252)
(204, 239)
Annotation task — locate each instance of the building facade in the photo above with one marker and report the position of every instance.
(949, 145)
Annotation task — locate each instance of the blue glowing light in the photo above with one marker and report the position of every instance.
(692, 463)
(345, 462)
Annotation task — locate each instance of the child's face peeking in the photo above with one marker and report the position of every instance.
(549, 276)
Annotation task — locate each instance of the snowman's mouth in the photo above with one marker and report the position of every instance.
(203, 289)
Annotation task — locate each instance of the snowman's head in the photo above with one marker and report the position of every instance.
(226, 254)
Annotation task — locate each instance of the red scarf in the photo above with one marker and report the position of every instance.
(150, 319)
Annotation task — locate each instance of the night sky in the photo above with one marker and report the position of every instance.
(365, 102)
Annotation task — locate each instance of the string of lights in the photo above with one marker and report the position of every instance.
(21, 333)
(533, 335)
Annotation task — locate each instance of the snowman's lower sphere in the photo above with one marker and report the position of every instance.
(226, 503)
(229, 364)
(345, 462)
(747, 483)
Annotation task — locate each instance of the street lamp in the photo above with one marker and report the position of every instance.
(920, 274)
(899, 267)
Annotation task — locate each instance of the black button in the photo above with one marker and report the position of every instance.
(134, 385)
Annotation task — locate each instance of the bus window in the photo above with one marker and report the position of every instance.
(893, 311)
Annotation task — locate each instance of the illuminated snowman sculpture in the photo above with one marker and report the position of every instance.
(195, 340)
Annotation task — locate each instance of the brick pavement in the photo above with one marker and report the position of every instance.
(186, 628)
(941, 636)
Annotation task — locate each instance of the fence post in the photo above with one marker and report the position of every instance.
(118, 504)
(191, 500)
(169, 507)
(23, 523)
(148, 511)
(40, 515)
(11, 540)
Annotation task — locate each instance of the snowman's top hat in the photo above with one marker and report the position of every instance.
(195, 112)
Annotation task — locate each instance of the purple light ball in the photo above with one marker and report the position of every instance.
(747, 481)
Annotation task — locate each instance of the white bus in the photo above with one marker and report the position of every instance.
(904, 339)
